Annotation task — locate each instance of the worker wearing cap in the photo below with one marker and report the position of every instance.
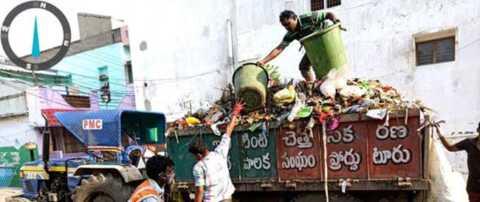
(212, 178)
(298, 27)
(472, 147)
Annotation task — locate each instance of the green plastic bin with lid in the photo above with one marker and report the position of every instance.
(325, 50)
(251, 82)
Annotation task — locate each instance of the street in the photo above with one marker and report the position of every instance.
(9, 192)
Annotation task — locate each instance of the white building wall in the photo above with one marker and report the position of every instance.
(12, 98)
(186, 60)
(16, 129)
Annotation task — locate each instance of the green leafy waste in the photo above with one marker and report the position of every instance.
(273, 72)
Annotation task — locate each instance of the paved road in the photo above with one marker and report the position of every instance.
(8, 192)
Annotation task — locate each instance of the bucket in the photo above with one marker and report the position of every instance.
(325, 50)
(251, 83)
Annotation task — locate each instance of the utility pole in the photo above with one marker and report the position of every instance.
(34, 78)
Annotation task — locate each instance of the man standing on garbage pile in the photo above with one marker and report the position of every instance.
(298, 27)
(156, 188)
(212, 178)
(472, 147)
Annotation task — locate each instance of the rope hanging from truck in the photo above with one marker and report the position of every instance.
(325, 169)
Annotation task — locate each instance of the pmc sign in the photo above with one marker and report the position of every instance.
(92, 124)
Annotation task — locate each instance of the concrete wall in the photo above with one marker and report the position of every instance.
(14, 123)
(12, 98)
(16, 131)
(184, 57)
(91, 25)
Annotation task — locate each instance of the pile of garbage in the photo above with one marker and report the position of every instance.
(302, 100)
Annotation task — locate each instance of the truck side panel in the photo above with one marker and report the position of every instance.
(370, 154)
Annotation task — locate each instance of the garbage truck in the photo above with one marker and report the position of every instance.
(364, 159)
(91, 155)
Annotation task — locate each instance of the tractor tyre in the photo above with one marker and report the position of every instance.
(101, 188)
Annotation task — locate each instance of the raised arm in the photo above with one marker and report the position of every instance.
(233, 123)
(444, 141)
(272, 55)
(224, 145)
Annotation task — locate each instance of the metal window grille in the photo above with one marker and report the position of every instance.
(332, 3)
(317, 4)
(322, 4)
(435, 51)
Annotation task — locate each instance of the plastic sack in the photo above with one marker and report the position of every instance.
(447, 185)
(328, 88)
(352, 91)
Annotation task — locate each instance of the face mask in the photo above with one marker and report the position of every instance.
(168, 179)
(171, 178)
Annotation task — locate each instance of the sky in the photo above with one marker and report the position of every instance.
(21, 30)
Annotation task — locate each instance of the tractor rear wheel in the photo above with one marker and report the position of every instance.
(102, 188)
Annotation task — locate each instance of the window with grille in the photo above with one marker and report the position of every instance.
(435, 51)
(128, 72)
(77, 101)
(321, 4)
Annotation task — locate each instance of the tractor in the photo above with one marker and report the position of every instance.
(92, 155)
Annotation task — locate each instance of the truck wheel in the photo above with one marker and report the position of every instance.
(102, 188)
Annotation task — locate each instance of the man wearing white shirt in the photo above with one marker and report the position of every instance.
(212, 178)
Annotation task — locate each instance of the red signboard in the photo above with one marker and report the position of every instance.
(298, 153)
(359, 148)
(347, 151)
(394, 150)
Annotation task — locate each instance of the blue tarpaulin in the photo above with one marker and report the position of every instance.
(104, 128)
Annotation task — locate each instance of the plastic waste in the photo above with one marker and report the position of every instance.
(215, 129)
(282, 117)
(192, 121)
(299, 103)
(339, 76)
(340, 82)
(334, 123)
(328, 88)
(254, 126)
(377, 113)
(304, 112)
(352, 91)
(285, 96)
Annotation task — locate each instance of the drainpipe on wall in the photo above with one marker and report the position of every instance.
(231, 57)
(232, 36)
(146, 98)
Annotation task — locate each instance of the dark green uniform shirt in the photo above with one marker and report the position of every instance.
(308, 23)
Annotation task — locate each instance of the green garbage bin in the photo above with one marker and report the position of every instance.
(325, 49)
(251, 82)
